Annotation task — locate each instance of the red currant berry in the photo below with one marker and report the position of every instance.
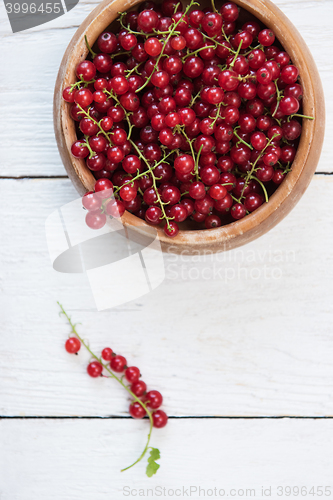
(107, 354)
(68, 94)
(115, 208)
(118, 363)
(147, 21)
(91, 202)
(266, 37)
(212, 221)
(132, 374)
(103, 63)
(94, 369)
(252, 202)
(204, 205)
(86, 70)
(72, 345)
(136, 410)
(238, 211)
(95, 220)
(289, 74)
(160, 419)
(197, 190)
(153, 215)
(193, 67)
(153, 399)
(184, 164)
(139, 388)
(103, 188)
(179, 213)
(107, 42)
(289, 105)
(171, 229)
(217, 191)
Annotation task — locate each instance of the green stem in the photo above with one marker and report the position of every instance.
(194, 156)
(262, 185)
(93, 54)
(241, 140)
(278, 98)
(225, 36)
(113, 96)
(236, 55)
(171, 32)
(141, 174)
(218, 43)
(213, 6)
(96, 123)
(154, 178)
(251, 48)
(72, 325)
(195, 98)
(196, 168)
(303, 116)
(87, 145)
(249, 175)
(190, 54)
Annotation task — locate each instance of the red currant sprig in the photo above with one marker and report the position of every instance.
(144, 403)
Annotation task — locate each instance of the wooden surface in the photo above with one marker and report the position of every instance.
(253, 339)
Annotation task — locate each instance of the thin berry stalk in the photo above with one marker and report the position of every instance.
(119, 380)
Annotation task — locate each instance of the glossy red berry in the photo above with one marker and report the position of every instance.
(171, 229)
(153, 399)
(118, 363)
(86, 70)
(252, 201)
(266, 37)
(107, 354)
(139, 388)
(94, 369)
(95, 220)
(72, 345)
(136, 410)
(238, 211)
(212, 221)
(115, 208)
(160, 419)
(132, 374)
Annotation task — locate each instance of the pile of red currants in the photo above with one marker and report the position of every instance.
(185, 114)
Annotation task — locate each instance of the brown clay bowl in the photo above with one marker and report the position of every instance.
(285, 197)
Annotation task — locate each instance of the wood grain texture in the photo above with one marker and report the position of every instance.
(43, 47)
(83, 458)
(244, 333)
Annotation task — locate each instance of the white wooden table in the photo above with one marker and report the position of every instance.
(244, 358)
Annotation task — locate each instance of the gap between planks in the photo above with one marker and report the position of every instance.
(172, 417)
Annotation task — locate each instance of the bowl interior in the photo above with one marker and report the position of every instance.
(282, 200)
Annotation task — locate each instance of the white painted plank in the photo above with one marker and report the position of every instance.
(32, 58)
(253, 339)
(83, 459)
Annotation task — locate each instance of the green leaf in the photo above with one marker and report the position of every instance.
(152, 466)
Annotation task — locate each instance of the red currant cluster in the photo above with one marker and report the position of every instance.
(138, 388)
(185, 115)
(109, 365)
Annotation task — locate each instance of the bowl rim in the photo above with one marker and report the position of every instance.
(287, 194)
